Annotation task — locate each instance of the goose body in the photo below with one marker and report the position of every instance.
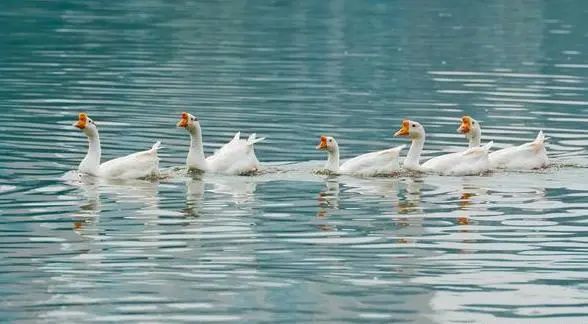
(133, 166)
(527, 156)
(469, 162)
(235, 157)
(369, 164)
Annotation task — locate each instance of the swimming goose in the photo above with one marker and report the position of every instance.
(137, 165)
(369, 164)
(531, 155)
(471, 161)
(235, 157)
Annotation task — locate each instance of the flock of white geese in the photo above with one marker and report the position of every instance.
(238, 156)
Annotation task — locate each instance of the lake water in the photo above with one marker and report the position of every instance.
(289, 245)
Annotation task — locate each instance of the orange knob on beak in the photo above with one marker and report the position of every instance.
(323, 144)
(82, 121)
(466, 125)
(184, 121)
(404, 130)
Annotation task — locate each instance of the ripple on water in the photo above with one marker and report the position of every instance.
(289, 244)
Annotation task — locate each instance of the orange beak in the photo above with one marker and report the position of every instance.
(466, 125)
(404, 130)
(323, 144)
(184, 121)
(82, 121)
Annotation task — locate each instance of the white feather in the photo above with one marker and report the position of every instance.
(137, 165)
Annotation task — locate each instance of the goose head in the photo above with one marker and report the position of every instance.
(411, 129)
(468, 125)
(470, 128)
(328, 144)
(86, 124)
(189, 122)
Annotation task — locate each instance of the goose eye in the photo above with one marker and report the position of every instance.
(194, 118)
(473, 123)
(413, 125)
(90, 121)
(330, 141)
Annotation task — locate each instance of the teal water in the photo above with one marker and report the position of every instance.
(289, 245)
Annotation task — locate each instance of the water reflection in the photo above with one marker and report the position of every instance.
(241, 190)
(508, 247)
(194, 196)
(328, 198)
(472, 199)
(90, 209)
(328, 202)
(140, 196)
(236, 190)
(378, 187)
(412, 196)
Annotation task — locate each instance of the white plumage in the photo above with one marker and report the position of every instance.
(133, 166)
(527, 156)
(235, 157)
(469, 162)
(369, 164)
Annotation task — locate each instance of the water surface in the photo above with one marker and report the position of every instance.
(289, 245)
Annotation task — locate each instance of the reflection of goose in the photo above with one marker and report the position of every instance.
(468, 193)
(532, 155)
(90, 209)
(409, 217)
(374, 163)
(412, 199)
(137, 165)
(131, 192)
(235, 157)
(328, 199)
(194, 196)
(470, 161)
(381, 187)
(122, 191)
(472, 194)
(241, 189)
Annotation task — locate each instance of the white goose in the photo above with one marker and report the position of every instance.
(469, 162)
(137, 165)
(235, 157)
(531, 155)
(369, 164)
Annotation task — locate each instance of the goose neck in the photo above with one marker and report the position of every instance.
(475, 137)
(91, 161)
(414, 153)
(196, 157)
(333, 160)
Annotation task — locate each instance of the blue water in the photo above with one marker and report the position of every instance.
(289, 245)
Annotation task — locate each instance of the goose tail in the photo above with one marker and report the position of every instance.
(156, 146)
(540, 139)
(253, 139)
(488, 146)
(539, 143)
